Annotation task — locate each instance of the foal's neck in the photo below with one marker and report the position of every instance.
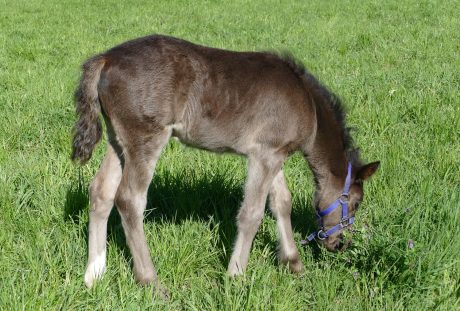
(326, 153)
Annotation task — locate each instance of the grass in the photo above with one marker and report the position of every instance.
(395, 64)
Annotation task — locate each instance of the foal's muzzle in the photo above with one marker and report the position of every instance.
(336, 245)
(323, 233)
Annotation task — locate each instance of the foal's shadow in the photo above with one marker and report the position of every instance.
(213, 197)
(304, 221)
(171, 198)
(175, 198)
(76, 201)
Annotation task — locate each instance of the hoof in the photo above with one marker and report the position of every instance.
(145, 277)
(233, 270)
(295, 266)
(294, 263)
(95, 270)
(151, 278)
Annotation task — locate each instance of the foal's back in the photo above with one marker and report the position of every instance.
(244, 102)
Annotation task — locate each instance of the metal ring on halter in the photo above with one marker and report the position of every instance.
(344, 198)
(324, 235)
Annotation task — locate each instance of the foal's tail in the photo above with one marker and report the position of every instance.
(88, 128)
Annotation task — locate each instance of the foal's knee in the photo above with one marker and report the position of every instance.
(281, 203)
(250, 218)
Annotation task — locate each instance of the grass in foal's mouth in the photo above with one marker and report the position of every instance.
(395, 64)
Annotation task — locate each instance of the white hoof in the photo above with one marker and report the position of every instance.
(234, 269)
(95, 270)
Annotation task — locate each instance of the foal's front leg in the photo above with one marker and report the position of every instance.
(281, 206)
(260, 176)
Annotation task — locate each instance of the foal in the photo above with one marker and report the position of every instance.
(259, 105)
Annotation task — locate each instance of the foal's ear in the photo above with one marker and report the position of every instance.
(367, 170)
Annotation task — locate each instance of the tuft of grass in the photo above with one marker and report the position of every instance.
(395, 64)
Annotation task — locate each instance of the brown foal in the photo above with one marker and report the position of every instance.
(260, 105)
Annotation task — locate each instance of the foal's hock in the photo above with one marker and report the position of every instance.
(260, 105)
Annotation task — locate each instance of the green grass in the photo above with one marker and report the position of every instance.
(395, 63)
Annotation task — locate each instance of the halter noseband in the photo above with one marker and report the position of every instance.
(344, 222)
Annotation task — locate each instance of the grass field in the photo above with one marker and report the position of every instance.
(396, 64)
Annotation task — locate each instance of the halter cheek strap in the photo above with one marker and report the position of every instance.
(345, 221)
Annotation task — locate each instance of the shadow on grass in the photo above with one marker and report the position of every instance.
(213, 198)
(304, 221)
(76, 200)
(216, 197)
(174, 198)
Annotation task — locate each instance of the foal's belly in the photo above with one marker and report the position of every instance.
(211, 140)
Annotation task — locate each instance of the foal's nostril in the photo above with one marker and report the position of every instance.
(337, 246)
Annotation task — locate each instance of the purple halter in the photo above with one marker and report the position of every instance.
(344, 222)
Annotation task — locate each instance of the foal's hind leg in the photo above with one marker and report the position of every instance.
(131, 199)
(281, 206)
(102, 194)
(260, 176)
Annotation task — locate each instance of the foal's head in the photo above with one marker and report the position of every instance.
(337, 203)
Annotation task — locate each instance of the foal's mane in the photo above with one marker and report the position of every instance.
(326, 97)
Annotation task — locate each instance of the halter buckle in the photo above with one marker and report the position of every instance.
(345, 222)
